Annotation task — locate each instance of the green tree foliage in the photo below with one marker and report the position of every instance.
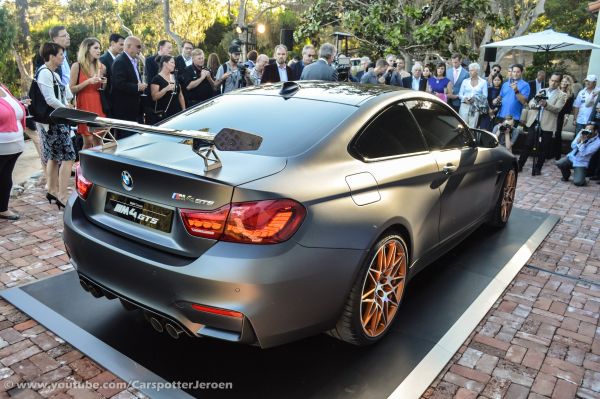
(411, 26)
(8, 67)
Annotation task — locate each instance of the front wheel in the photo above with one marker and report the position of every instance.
(376, 294)
(505, 202)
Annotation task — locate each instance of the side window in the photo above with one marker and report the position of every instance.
(442, 130)
(392, 133)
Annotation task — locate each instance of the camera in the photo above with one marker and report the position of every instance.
(394, 65)
(504, 127)
(242, 67)
(342, 66)
(542, 95)
(586, 132)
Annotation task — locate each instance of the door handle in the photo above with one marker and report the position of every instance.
(449, 168)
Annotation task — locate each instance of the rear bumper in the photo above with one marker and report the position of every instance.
(285, 291)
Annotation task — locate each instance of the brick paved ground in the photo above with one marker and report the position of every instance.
(541, 339)
(30, 249)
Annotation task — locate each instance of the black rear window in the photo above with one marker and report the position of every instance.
(288, 127)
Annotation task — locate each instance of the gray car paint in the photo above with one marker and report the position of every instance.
(293, 289)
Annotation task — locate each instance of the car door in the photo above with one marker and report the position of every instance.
(467, 174)
(396, 155)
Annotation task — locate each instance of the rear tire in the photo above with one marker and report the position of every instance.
(376, 295)
(505, 202)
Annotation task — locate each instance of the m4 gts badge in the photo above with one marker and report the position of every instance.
(189, 198)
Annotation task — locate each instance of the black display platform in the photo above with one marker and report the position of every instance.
(436, 304)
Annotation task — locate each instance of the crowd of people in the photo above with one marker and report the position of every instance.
(122, 83)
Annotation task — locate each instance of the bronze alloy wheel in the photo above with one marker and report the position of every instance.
(508, 196)
(383, 287)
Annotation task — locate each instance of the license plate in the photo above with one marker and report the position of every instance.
(140, 212)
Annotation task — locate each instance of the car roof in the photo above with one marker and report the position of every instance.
(338, 92)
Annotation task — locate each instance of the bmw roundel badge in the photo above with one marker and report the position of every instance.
(127, 180)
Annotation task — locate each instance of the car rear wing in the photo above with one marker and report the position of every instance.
(202, 143)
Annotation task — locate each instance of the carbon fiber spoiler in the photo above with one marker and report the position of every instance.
(202, 143)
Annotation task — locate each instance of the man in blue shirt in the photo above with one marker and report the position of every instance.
(514, 93)
(584, 145)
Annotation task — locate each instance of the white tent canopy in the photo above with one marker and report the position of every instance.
(547, 40)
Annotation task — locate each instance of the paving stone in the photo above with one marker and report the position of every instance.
(514, 373)
(544, 384)
(564, 390)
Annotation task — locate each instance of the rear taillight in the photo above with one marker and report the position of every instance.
(82, 184)
(257, 222)
(205, 224)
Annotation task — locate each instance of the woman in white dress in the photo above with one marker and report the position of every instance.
(473, 96)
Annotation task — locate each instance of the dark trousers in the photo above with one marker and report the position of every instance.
(540, 145)
(7, 164)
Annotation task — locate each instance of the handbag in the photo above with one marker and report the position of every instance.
(39, 108)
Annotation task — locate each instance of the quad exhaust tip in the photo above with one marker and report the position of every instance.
(173, 331)
(156, 324)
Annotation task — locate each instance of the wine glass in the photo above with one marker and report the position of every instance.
(103, 81)
(144, 80)
(26, 101)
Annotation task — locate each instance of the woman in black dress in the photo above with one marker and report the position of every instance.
(494, 103)
(165, 91)
(566, 85)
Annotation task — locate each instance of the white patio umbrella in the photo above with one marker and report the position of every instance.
(546, 41)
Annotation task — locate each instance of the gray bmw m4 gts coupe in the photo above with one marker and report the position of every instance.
(277, 212)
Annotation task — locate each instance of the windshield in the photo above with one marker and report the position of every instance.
(288, 127)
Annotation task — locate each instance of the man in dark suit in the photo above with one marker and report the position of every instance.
(115, 47)
(308, 57)
(279, 71)
(537, 84)
(126, 84)
(322, 69)
(150, 65)
(184, 59)
(416, 81)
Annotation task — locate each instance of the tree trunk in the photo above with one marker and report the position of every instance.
(167, 20)
(23, 38)
(527, 18)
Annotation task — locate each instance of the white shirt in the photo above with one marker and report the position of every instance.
(282, 73)
(65, 70)
(12, 142)
(188, 62)
(46, 85)
(467, 91)
(415, 83)
(584, 112)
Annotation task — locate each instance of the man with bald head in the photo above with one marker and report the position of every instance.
(126, 83)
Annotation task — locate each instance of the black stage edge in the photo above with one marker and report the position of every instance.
(434, 309)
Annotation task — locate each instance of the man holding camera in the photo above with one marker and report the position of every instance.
(229, 75)
(375, 75)
(507, 133)
(584, 145)
(547, 104)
